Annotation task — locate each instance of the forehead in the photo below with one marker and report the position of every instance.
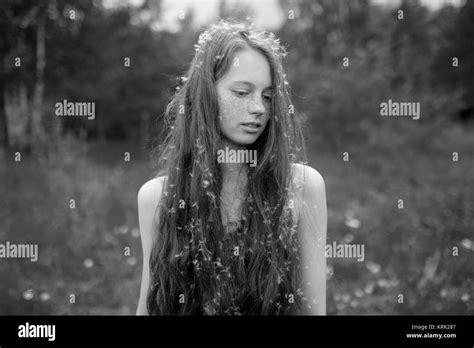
(249, 65)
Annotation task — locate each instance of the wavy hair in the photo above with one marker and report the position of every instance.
(196, 268)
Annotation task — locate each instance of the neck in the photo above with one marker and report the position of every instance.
(232, 171)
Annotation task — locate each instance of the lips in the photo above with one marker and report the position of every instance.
(255, 125)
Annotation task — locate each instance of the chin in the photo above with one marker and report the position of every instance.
(244, 140)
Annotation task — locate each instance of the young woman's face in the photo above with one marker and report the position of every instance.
(244, 96)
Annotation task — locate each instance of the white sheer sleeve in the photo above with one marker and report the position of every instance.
(312, 230)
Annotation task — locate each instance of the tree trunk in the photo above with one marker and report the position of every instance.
(4, 137)
(36, 115)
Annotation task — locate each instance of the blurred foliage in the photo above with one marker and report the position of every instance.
(408, 251)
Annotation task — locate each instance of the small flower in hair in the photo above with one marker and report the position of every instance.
(204, 37)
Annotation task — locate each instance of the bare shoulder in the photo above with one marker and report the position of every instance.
(310, 193)
(148, 198)
(149, 193)
(307, 177)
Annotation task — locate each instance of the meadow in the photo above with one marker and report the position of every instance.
(90, 256)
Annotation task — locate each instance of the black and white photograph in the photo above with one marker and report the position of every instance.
(303, 158)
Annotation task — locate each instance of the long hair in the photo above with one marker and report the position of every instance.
(195, 266)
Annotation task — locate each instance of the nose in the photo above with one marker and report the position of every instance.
(257, 106)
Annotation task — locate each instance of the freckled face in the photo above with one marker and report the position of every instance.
(244, 97)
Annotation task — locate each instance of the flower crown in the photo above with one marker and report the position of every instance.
(247, 30)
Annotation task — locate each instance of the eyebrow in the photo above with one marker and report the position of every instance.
(250, 84)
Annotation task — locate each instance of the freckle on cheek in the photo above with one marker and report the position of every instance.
(234, 106)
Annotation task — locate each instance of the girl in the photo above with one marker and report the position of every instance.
(223, 235)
